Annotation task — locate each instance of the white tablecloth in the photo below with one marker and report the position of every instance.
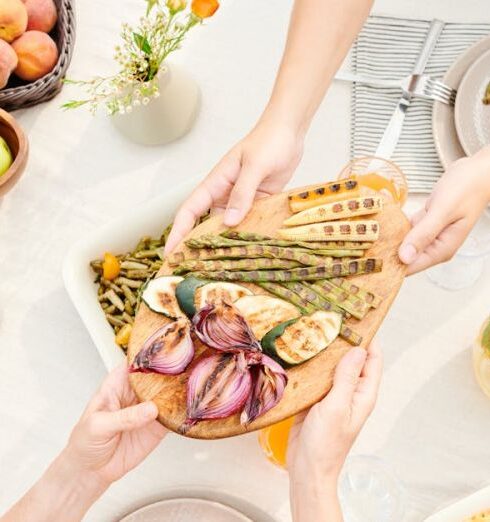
(431, 423)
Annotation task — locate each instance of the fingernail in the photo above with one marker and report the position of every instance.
(149, 410)
(408, 253)
(232, 217)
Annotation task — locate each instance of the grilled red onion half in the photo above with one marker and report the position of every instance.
(168, 351)
(269, 382)
(218, 387)
(222, 327)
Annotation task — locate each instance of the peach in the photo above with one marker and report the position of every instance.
(41, 15)
(13, 19)
(8, 62)
(37, 54)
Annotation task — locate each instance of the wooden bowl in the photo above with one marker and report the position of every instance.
(12, 133)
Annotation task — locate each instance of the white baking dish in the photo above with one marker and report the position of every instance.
(119, 236)
(465, 508)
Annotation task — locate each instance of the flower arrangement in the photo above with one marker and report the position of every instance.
(141, 56)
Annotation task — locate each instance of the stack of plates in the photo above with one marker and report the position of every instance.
(464, 129)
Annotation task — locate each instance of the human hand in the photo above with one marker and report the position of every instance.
(115, 433)
(455, 205)
(321, 438)
(259, 165)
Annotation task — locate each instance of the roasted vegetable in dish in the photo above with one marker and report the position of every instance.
(298, 340)
(486, 97)
(367, 230)
(339, 210)
(328, 193)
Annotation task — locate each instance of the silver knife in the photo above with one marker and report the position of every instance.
(390, 138)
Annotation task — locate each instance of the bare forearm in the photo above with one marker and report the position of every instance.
(320, 35)
(61, 494)
(316, 502)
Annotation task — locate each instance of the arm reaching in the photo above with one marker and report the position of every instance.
(321, 439)
(113, 436)
(320, 35)
(455, 205)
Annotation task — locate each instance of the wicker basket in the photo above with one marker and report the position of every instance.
(19, 94)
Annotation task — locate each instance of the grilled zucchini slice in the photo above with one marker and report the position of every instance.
(263, 312)
(159, 296)
(193, 293)
(296, 341)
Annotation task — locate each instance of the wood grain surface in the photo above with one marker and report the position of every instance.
(308, 382)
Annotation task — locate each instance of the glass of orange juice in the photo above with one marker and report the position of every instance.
(378, 175)
(274, 441)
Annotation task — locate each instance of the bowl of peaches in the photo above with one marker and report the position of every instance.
(36, 40)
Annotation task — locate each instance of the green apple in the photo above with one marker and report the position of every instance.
(5, 157)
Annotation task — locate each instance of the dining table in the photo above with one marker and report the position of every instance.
(431, 421)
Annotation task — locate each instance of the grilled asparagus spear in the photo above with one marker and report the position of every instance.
(309, 273)
(193, 265)
(367, 230)
(305, 257)
(351, 304)
(286, 294)
(312, 297)
(251, 237)
(280, 291)
(370, 298)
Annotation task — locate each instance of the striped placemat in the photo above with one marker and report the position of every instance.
(388, 48)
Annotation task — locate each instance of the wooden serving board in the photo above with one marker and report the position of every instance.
(309, 382)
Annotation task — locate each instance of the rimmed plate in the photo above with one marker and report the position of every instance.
(186, 510)
(471, 115)
(446, 137)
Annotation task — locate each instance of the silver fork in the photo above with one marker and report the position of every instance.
(420, 85)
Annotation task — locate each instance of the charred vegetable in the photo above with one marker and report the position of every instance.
(262, 312)
(159, 296)
(235, 264)
(218, 386)
(301, 255)
(486, 97)
(367, 296)
(348, 208)
(223, 328)
(193, 294)
(168, 351)
(317, 300)
(269, 381)
(350, 335)
(310, 273)
(367, 230)
(281, 291)
(298, 340)
(345, 301)
(328, 193)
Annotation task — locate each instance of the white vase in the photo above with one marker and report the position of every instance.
(166, 118)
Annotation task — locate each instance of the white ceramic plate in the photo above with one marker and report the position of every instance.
(465, 508)
(443, 125)
(471, 116)
(119, 236)
(186, 510)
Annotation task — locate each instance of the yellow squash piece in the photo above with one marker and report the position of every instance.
(480, 517)
(328, 193)
(352, 207)
(367, 230)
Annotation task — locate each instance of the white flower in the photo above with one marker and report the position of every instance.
(129, 109)
(156, 94)
(136, 103)
(146, 101)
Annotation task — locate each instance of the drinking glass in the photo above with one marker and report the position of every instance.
(370, 491)
(466, 267)
(274, 441)
(377, 175)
